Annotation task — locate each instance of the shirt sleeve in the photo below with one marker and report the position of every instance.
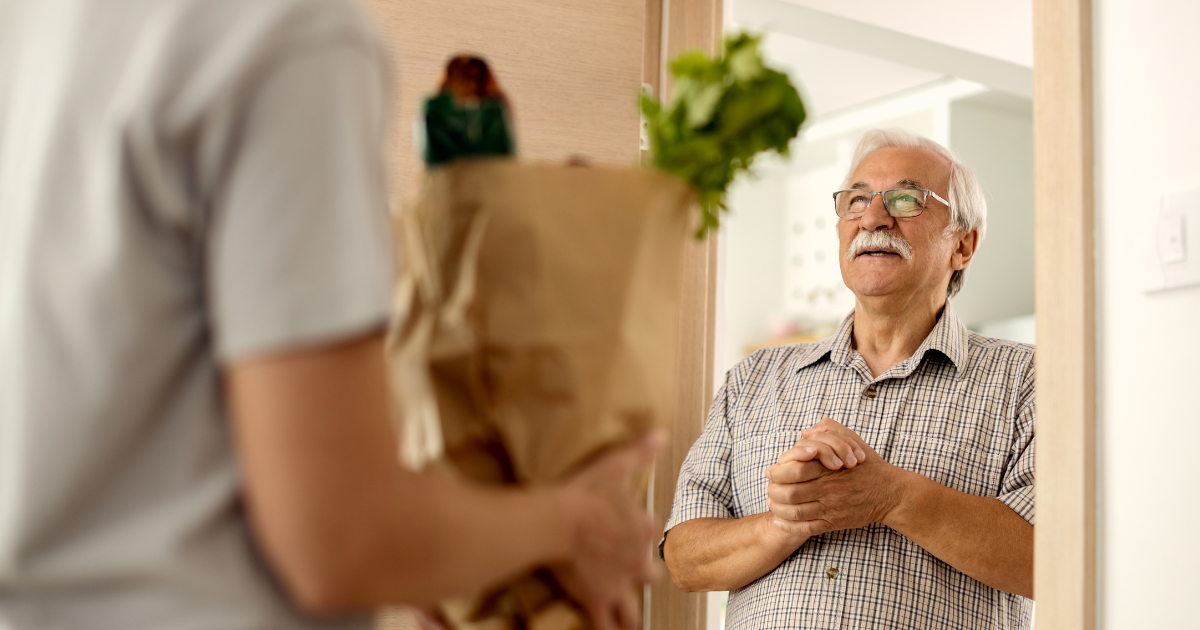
(299, 250)
(1016, 486)
(704, 489)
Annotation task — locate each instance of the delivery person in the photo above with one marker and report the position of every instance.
(194, 281)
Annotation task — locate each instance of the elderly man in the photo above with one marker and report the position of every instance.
(882, 478)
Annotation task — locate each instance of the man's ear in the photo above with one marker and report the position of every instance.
(964, 250)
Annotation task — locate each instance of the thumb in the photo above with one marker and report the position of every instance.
(640, 453)
(621, 461)
(649, 446)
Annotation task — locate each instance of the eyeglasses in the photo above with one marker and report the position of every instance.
(899, 202)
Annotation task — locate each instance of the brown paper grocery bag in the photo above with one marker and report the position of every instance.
(536, 324)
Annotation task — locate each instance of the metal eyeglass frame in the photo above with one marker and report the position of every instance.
(883, 198)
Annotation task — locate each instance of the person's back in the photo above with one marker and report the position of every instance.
(155, 215)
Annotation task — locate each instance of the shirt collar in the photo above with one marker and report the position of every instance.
(949, 337)
(835, 346)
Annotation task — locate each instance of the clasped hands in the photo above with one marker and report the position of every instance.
(830, 480)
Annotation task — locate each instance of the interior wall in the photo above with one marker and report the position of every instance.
(993, 134)
(571, 72)
(1147, 73)
(753, 254)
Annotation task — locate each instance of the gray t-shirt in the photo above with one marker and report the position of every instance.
(183, 184)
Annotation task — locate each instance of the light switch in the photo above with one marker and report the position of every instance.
(1176, 256)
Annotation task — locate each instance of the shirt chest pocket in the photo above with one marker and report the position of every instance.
(963, 466)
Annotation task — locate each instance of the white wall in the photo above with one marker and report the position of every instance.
(752, 257)
(994, 135)
(1147, 66)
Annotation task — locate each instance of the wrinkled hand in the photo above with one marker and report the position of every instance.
(830, 480)
(613, 534)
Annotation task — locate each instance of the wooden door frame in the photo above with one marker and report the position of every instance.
(1065, 545)
(671, 27)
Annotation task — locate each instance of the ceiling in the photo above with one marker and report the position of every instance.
(834, 78)
(1002, 29)
(831, 79)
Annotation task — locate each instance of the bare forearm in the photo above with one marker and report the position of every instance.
(408, 538)
(721, 554)
(979, 536)
(345, 527)
(448, 538)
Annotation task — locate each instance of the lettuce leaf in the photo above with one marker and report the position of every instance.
(723, 112)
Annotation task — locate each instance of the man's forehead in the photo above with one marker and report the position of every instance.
(901, 167)
(900, 183)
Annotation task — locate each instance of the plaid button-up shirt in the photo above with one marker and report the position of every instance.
(960, 411)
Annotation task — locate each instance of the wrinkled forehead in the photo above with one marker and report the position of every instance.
(893, 167)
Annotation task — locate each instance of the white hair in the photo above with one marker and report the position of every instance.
(968, 208)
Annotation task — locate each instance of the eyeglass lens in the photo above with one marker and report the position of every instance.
(900, 202)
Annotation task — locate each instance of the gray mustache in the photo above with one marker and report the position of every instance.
(881, 239)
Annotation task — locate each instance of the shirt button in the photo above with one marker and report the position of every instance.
(831, 573)
(870, 393)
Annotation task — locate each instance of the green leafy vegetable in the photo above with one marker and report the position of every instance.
(723, 113)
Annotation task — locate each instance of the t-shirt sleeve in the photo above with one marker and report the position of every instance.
(704, 489)
(1016, 486)
(299, 251)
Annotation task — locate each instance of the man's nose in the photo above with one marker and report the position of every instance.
(876, 216)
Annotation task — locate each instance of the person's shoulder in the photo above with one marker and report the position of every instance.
(984, 343)
(215, 54)
(266, 26)
(786, 351)
(989, 352)
(347, 11)
(325, 17)
(774, 360)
